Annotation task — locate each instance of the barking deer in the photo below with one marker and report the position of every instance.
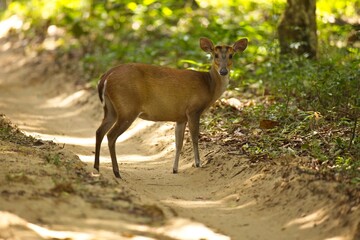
(158, 93)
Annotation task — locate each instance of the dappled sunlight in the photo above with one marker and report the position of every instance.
(150, 150)
(339, 238)
(8, 220)
(262, 173)
(315, 219)
(31, 130)
(245, 205)
(13, 22)
(221, 204)
(185, 229)
(82, 141)
(63, 139)
(193, 203)
(39, 120)
(90, 158)
(135, 158)
(46, 233)
(64, 100)
(180, 228)
(310, 220)
(177, 228)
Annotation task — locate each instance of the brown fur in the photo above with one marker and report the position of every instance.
(159, 93)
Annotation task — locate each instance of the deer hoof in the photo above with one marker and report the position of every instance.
(117, 174)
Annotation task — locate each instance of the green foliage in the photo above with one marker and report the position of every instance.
(108, 31)
(330, 85)
(53, 158)
(315, 104)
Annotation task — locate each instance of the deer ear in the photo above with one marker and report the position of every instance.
(206, 44)
(240, 45)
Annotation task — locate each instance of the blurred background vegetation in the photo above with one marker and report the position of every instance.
(305, 107)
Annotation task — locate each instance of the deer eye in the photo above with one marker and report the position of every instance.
(216, 55)
(230, 56)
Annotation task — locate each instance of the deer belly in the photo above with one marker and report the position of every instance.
(163, 113)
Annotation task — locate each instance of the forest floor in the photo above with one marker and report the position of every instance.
(49, 190)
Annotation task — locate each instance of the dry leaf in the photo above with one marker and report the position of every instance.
(268, 124)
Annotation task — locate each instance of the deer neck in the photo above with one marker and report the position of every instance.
(219, 82)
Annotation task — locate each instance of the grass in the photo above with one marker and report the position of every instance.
(53, 158)
(288, 105)
(266, 127)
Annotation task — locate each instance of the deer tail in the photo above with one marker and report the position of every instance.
(102, 86)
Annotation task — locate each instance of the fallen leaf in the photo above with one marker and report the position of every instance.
(268, 124)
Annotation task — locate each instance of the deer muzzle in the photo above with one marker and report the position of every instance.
(223, 71)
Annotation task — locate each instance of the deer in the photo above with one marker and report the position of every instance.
(158, 93)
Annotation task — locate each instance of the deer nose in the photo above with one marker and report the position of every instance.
(223, 72)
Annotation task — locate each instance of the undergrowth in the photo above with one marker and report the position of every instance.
(298, 107)
(10, 133)
(277, 106)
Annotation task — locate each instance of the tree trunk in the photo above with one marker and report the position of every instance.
(297, 28)
(4, 4)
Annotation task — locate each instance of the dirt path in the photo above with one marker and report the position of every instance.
(231, 196)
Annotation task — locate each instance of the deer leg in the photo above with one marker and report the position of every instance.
(107, 123)
(121, 125)
(179, 139)
(194, 123)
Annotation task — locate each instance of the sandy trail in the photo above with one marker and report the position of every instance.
(231, 196)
